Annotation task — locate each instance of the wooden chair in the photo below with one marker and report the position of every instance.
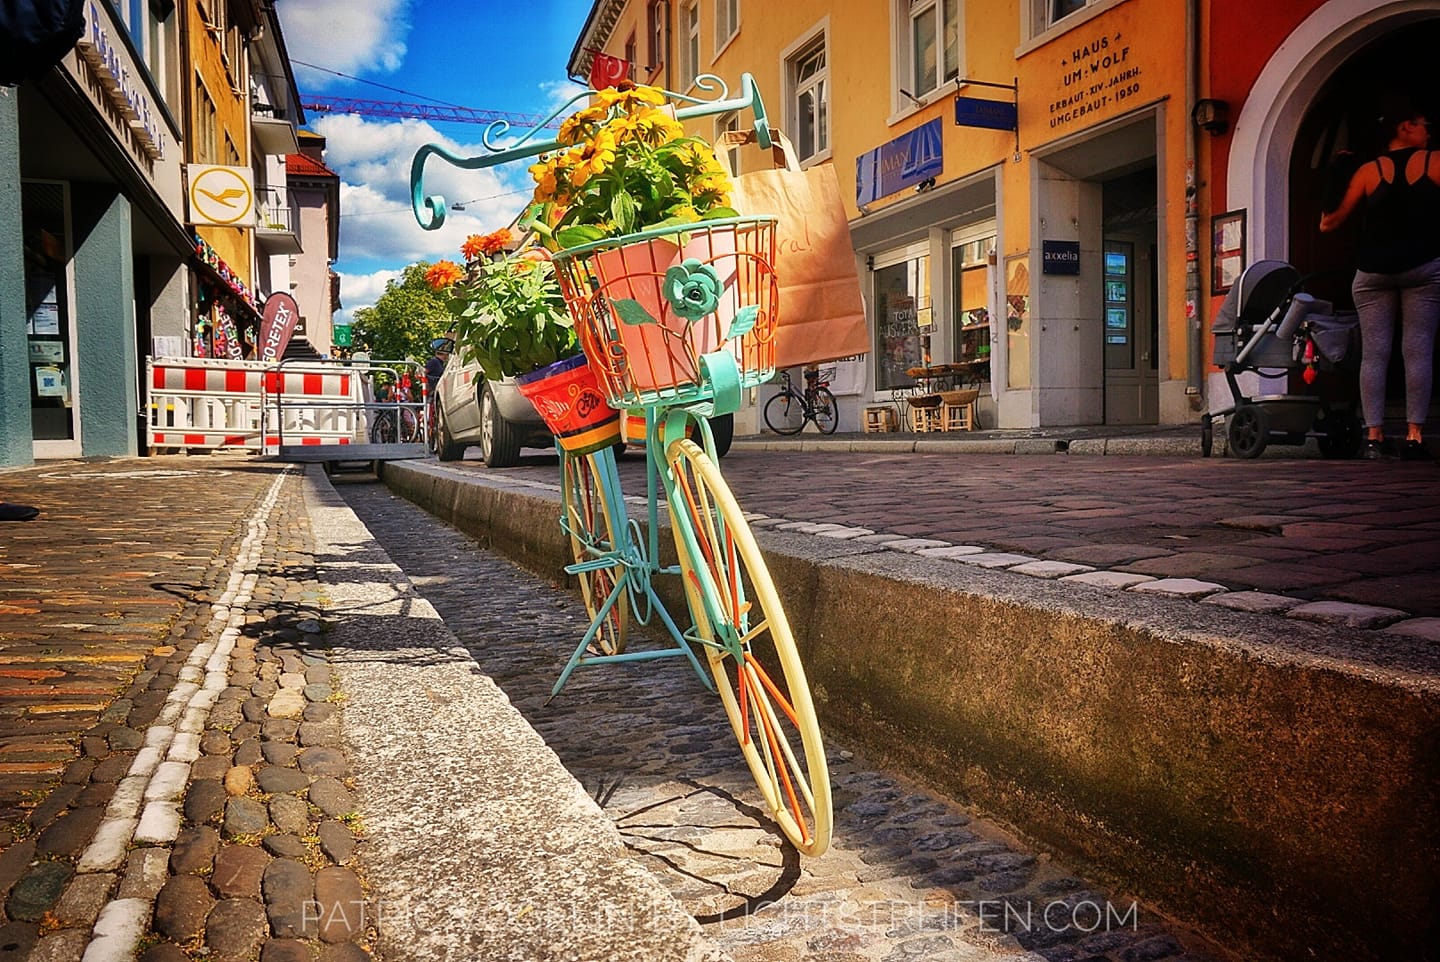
(880, 419)
(925, 415)
(957, 410)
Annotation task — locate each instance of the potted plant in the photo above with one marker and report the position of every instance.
(511, 319)
(657, 268)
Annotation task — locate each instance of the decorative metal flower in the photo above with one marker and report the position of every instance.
(692, 288)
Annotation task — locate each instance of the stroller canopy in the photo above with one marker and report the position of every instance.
(1263, 288)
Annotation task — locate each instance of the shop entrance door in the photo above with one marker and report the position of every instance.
(1131, 327)
(54, 414)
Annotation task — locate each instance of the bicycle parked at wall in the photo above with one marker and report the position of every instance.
(787, 412)
(678, 323)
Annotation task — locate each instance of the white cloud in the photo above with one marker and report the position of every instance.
(377, 224)
(344, 36)
(361, 290)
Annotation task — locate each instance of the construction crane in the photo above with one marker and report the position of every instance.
(324, 104)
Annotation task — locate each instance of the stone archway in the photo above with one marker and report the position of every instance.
(1258, 173)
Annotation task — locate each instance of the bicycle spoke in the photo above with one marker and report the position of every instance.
(593, 535)
(736, 607)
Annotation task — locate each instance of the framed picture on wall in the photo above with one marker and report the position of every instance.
(1227, 251)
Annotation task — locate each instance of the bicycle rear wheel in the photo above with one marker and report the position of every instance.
(785, 413)
(827, 413)
(751, 652)
(587, 519)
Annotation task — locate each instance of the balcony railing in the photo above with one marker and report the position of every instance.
(277, 221)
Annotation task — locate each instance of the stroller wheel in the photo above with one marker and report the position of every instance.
(1207, 435)
(1248, 431)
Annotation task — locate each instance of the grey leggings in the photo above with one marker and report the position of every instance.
(1381, 300)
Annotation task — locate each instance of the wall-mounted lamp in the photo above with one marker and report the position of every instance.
(927, 184)
(862, 209)
(912, 98)
(1211, 116)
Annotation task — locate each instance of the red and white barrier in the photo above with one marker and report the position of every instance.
(210, 403)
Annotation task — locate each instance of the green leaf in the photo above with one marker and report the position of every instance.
(716, 213)
(632, 312)
(744, 321)
(622, 210)
(577, 234)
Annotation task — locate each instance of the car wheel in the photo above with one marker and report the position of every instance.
(499, 439)
(445, 447)
(722, 429)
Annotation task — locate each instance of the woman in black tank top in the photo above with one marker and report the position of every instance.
(1399, 270)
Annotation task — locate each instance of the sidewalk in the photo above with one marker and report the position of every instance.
(176, 780)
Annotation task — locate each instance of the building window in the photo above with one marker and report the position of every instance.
(807, 77)
(1044, 14)
(689, 44)
(724, 124)
(727, 21)
(971, 280)
(931, 32)
(630, 55)
(655, 31)
(902, 316)
(204, 137)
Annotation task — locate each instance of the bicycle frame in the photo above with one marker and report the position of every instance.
(637, 555)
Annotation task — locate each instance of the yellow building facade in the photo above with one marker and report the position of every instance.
(1016, 175)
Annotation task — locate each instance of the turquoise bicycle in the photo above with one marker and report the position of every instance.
(677, 324)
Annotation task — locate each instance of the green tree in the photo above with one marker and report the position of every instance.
(405, 318)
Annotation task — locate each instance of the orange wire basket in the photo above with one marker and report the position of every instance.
(648, 307)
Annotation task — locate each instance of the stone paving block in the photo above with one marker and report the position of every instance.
(1346, 614)
(168, 781)
(84, 897)
(993, 559)
(1261, 602)
(1427, 628)
(159, 823)
(238, 871)
(879, 538)
(66, 945)
(182, 906)
(1051, 569)
(1118, 580)
(914, 545)
(1179, 587)
(38, 890)
(118, 931)
(146, 871)
(236, 928)
(844, 533)
(339, 904)
(951, 551)
(107, 850)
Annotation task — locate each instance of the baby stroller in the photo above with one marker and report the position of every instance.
(1267, 323)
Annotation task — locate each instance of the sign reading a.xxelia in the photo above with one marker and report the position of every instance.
(1097, 72)
(1059, 257)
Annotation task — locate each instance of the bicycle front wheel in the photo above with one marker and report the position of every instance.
(587, 519)
(752, 655)
(827, 414)
(785, 413)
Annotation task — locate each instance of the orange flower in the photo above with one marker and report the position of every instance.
(472, 247)
(442, 274)
(497, 241)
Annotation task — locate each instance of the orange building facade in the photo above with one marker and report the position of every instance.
(1019, 174)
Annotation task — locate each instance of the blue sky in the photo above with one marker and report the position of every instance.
(488, 54)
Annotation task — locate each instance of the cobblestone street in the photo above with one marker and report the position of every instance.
(911, 875)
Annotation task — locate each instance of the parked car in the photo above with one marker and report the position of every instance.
(474, 410)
